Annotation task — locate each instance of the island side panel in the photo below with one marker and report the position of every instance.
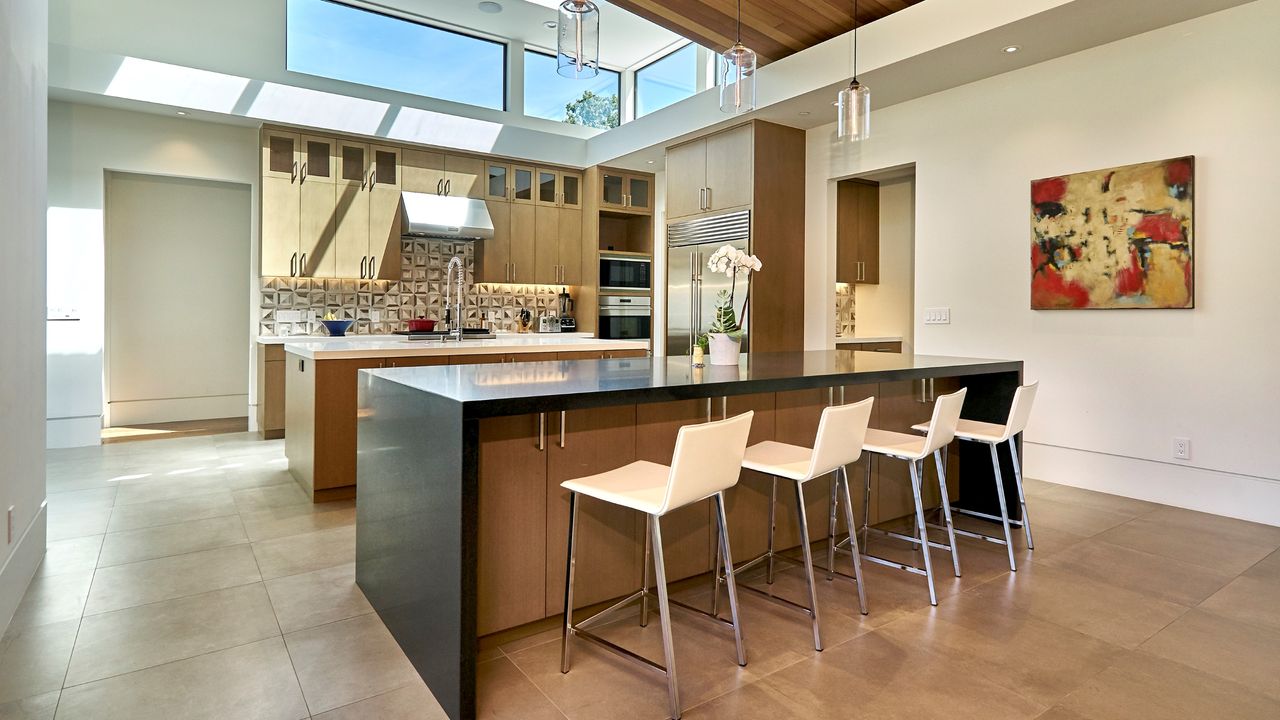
(415, 532)
(989, 399)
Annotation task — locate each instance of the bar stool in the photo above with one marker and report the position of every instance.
(838, 443)
(992, 434)
(914, 450)
(707, 461)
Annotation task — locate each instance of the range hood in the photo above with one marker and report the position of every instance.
(441, 216)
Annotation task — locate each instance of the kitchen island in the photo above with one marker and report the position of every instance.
(461, 521)
(320, 389)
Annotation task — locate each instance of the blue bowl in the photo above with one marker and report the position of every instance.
(337, 328)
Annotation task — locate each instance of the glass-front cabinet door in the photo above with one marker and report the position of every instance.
(548, 187)
(280, 155)
(639, 193)
(522, 184)
(570, 190)
(613, 190)
(498, 182)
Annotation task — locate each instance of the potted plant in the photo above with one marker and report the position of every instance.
(724, 338)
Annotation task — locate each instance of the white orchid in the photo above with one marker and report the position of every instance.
(731, 261)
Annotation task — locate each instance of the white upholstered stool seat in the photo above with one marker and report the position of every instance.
(895, 444)
(642, 486)
(973, 430)
(781, 459)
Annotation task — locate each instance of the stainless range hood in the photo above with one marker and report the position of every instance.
(442, 216)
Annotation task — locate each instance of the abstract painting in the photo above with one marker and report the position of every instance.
(1117, 238)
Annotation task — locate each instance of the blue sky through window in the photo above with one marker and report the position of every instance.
(665, 81)
(546, 93)
(345, 43)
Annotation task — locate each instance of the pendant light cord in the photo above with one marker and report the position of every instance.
(738, 31)
(855, 41)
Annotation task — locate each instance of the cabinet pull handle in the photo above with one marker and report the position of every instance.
(563, 417)
(708, 199)
(302, 265)
(293, 265)
(542, 431)
(440, 186)
(372, 260)
(363, 260)
(448, 186)
(293, 174)
(303, 175)
(702, 198)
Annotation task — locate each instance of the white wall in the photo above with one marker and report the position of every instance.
(884, 310)
(84, 143)
(1116, 385)
(24, 87)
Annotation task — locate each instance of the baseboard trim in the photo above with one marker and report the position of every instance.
(1239, 496)
(21, 566)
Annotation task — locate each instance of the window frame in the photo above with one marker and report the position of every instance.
(551, 54)
(415, 20)
(635, 78)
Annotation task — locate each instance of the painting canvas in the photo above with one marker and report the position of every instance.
(1117, 238)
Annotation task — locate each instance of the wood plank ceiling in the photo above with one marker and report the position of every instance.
(773, 28)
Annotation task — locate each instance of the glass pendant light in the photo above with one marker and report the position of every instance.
(578, 39)
(738, 75)
(853, 104)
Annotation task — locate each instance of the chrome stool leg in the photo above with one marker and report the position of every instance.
(833, 501)
(1004, 511)
(715, 582)
(843, 481)
(731, 582)
(924, 529)
(648, 560)
(1022, 496)
(946, 510)
(866, 502)
(566, 648)
(773, 526)
(664, 613)
(808, 565)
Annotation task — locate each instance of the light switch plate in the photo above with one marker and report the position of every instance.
(937, 316)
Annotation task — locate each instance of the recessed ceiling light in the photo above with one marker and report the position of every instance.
(490, 7)
(182, 112)
(1010, 49)
(804, 113)
(650, 162)
(550, 24)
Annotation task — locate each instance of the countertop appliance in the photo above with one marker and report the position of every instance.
(565, 311)
(625, 317)
(691, 288)
(548, 324)
(568, 324)
(625, 272)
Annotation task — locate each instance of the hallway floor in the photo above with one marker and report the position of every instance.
(191, 578)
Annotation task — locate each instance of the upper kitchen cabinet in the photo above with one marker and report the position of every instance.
(557, 245)
(858, 232)
(317, 252)
(711, 174)
(522, 190)
(353, 160)
(626, 191)
(497, 184)
(280, 151)
(386, 181)
(558, 188)
(423, 171)
(281, 203)
(464, 176)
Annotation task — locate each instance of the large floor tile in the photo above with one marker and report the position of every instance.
(150, 581)
(74, 555)
(1231, 650)
(318, 597)
(40, 707)
(273, 496)
(33, 660)
(1248, 599)
(94, 499)
(1142, 687)
(156, 542)
(343, 662)
(504, 693)
(297, 519)
(73, 523)
(1228, 528)
(411, 702)
(1100, 500)
(1168, 579)
(1188, 544)
(126, 640)
(1075, 519)
(171, 487)
(246, 476)
(169, 512)
(303, 553)
(1268, 568)
(250, 681)
(51, 599)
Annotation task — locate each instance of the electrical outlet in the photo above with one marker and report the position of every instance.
(937, 316)
(1181, 448)
(375, 316)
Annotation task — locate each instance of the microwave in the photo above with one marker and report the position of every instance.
(625, 272)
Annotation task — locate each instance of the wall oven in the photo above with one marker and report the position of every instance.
(625, 271)
(624, 317)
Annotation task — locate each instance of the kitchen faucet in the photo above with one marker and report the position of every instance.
(454, 314)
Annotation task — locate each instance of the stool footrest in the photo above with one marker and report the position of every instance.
(980, 536)
(619, 650)
(913, 540)
(743, 567)
(780, 600)
(612, 608)
(893, 564)
(985, 516)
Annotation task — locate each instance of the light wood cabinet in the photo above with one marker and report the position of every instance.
(444, 174)
(423, 171)
(270, 410)
(523, 244)
(494, 257)
(281, 226)
(464, 176)
(711, 174)
(858, 232)
(497, 185)
(558, 188)
(557, 245)
(385, 185)
(626, 191)
(280, 155)
(570, 249)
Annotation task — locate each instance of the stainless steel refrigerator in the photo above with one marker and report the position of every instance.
(691, 287)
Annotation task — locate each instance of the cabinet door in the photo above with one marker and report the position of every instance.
(280, 152)
(512, 533)
(422, 171)
(639, 193)
(522, 184)
(280, 226)
(351, 234)
(548, 187)
(383, 251)
(317, 251)
(319, 160)
(336, 411)
(546, 241)
(353, 164)
(868, 233)
(417, 361)
(613, 190)
(846, 232)
(464, 176)
(610, 550)
(686, 178)
(570, 233)
(495, 253)
(729, 168)
(580, 355)
(523, 252)
(498, 182)
(570, 190)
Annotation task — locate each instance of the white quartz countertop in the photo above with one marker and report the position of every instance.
(362, 346)
(856, 340)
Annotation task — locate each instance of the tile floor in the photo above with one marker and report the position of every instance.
(190, 578)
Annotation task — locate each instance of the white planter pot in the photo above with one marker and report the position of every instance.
(724, 349)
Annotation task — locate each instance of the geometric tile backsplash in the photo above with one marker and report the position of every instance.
(418, 293)
(844, 309)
